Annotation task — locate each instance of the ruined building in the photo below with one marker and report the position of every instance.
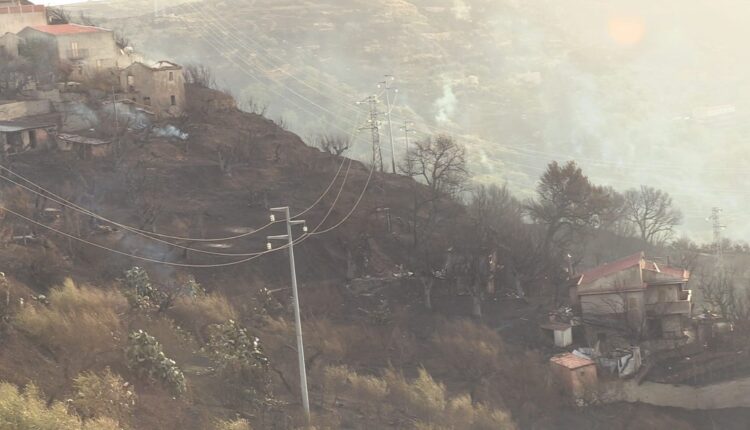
(159, 87)
(643, 297)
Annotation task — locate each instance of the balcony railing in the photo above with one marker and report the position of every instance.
(669, 308)
(77, 54)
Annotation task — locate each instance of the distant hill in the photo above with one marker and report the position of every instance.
(637, 92)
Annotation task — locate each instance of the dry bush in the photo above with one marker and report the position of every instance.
(370, 390)
(103, 395)
(197, 313)
(27, 410)
(78, 324)
(422, 401)
(424, 397)
(238, 424)
(473, 351)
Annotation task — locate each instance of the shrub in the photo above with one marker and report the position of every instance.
(238, 424)
(424, 397)
(101, 395)
(78, 322)
(239, 356)
(145, 356)
(28, 411)
(139, 290)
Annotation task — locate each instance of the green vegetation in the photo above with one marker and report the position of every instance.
(145, 356)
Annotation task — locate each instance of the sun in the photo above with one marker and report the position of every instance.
(626, 30)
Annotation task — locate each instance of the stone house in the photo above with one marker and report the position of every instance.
(9, 44)
(87, 49)
(18, 14)
(642, 296)
(159, 87)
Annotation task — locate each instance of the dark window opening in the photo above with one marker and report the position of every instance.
(173, 99)
(147, 101)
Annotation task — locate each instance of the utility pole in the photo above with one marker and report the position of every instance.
(295, 297)
(116, 134)
(386, 85)
(717, 227)
(374, 127)
(156, 8)
(406, 128)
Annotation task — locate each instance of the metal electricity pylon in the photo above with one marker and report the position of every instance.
(373, 124)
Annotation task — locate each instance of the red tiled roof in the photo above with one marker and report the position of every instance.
(61, 29)
(674, 271)
(571, 361)
(609, 268)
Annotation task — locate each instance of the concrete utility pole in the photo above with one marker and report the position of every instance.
(406, 128)
(374, 127)
(718, 228)
(386, 85)
(295, 297)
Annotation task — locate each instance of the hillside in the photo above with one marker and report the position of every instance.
(366, 328)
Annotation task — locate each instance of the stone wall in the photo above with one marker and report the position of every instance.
(728, 394)
(18, 109)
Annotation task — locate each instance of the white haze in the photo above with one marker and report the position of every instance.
(637, 91)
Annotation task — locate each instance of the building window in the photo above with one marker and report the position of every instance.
(171, 77)
(173, 100)
(147, 101)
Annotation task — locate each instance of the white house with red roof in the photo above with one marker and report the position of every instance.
(650, 298)
(18, 14)
(88, 49)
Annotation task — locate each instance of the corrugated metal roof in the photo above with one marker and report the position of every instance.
(62, 29)
(571, 361)
(74, 138)
(555, 326)
(24, 124)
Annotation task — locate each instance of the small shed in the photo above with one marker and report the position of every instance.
(24, 134)
(561, 332)
(576, 373)
(85, 147)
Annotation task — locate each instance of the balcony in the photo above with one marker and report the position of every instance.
(669, 308)
(77, 54)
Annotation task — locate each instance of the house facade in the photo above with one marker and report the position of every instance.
(159, 87)
(9, 44)
(634, 293)
(16, 15)
(87, 49)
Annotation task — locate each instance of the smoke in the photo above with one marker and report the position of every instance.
(134, 118)
(461, 10)
(446, 105)
(170, 131)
